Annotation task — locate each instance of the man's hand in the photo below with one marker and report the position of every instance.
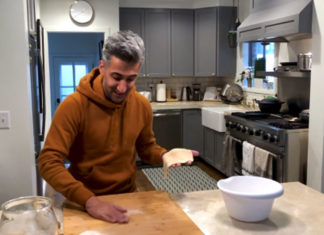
(194, 153)
(106, 211)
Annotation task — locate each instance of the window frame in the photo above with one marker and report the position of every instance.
(250, 64)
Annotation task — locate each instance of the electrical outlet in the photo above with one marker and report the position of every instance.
(4, 119)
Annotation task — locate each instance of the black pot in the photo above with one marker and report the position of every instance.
(270, 105)
(304, 116)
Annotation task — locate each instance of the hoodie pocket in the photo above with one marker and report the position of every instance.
(97, 178)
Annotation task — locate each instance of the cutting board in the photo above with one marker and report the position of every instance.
(152, 212)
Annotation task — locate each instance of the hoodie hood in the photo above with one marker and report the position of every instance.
(91, 86)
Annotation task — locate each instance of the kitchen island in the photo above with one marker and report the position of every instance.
(298, 211)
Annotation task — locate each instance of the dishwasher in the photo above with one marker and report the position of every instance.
(167, 128)
(167, 131)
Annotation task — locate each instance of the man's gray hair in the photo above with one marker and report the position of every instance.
(125, 45)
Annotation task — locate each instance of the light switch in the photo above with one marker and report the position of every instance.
(4, 119)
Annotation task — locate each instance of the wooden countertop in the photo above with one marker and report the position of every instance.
(299, 211)
(152, 212)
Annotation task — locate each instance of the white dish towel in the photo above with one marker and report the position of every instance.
(248, 158)
(262, 163)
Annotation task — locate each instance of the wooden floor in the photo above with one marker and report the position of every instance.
(143, 184)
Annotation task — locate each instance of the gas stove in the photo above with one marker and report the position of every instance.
(285, 137)
(282, 121)
(268, 130)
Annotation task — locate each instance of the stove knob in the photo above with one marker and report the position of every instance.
(257, 132)
(274, 138)
(266, 136)
(228, 124)
(232, 125)
(245, 129)
(251, 132)
(238, 127)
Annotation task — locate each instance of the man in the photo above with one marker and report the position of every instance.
(99, 129)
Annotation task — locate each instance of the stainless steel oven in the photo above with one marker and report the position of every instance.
(285, 137)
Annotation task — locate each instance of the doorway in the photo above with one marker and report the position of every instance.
(71, 56)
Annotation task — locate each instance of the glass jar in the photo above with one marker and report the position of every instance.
(28, 215)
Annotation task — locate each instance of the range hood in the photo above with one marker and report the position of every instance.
(277, 21)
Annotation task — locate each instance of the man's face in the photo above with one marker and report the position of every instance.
(118, 78)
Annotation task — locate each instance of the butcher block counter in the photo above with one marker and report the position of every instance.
(152, 212)
(299, 210)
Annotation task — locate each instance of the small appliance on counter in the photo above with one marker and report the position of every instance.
(196, 91)
(161, 92)
(147, 94)
(186, 94)
(232, 93)
(211, 94)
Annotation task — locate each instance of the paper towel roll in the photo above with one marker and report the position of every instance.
(161, 92)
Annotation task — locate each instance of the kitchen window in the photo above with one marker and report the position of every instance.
(254, 52)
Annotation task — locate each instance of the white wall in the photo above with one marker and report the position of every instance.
(55, 17)
(315, 172)
(17, 160)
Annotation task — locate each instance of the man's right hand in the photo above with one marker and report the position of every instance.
(106, 211)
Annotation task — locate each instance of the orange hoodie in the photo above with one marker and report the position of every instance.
(100, 139)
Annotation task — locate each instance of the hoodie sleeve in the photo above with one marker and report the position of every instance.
(146, 146)
(64, 128)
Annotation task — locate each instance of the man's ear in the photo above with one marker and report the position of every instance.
(101, 66)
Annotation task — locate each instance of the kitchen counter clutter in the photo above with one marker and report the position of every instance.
(297, 211)
(190, 105)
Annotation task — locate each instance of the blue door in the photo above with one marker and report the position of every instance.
(71, 56)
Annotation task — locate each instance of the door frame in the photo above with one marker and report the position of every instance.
(105, 30)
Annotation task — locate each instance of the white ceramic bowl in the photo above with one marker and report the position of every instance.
(249, 198)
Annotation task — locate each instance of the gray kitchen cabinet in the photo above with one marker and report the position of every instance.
(226, 56)
(213, 56)
(192, 130)
(178, 40)
(205, 41)
(209, 146)
(133, 19)
(157, 31)
(154, 26)
(219, 148)
(182, 42)
(213, 148)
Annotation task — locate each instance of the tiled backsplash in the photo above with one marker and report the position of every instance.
(176, 83)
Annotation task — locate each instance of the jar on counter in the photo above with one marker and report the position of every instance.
(28, 215)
